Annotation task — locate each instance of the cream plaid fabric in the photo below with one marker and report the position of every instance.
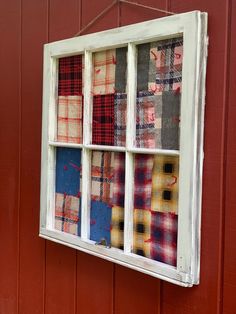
(142, 232)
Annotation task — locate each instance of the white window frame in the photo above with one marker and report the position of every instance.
(193, 27)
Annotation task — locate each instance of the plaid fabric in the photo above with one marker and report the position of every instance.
(70, 119)
(102, 176)
(165, 67)
(70, 78)
(119, 180)
(143, 181)
(164, 237)
(145, 120)
(142, 232)
(103, 120)
(104, 63)
(67, 213)
(117, 227)
(165, 183)
(120, 107)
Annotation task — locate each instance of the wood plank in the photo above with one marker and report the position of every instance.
(95, 281)
(31, 272)
(205, 297)
(229, 275)
(135, 292)
(60, 289)
(9, 157)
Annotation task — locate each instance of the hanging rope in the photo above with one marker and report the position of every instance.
(118, 2)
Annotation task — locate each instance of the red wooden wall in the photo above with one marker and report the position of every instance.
(38, 276)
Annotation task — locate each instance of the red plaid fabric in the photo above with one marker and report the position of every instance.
(69, 119)
(119, 179)
(103, 120)
(164, 237)
(143, 181)
(102, 176)
(104, 72)
(70, 78)
(67, 213)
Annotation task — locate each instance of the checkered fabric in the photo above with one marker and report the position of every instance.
(142, 232)
(103, 120)
(102, 176)
(120, 107)
(164, 237)
(119, 179)
(165, 67)
(165, 183)
(67, 213)
(143, 181)
(117, 227)
(70, 78)
(70, 119)
(104, 63)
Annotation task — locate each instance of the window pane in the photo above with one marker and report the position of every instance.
(156, 180)
(70, 99)
(159, 79)
(68, 190)
(109, 97)
(107, 198)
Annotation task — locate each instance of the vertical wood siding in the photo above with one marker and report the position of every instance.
(41, 277)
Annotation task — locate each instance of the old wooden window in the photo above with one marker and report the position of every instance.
(122, 144)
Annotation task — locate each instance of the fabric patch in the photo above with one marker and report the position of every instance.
(100, 222)
(120, 107)
(70, 78)
(121, 70)
(142, 233)
(119, 180)
(170, 120)
(165, 66)
(143, 60)
(103, 120)
(69, 119)
(67, 208)
(68, 171)
(102, 176)
(165, 184)
(104, 63)
(117, 227)
(164, 237)
(145, 120)
(143, 181)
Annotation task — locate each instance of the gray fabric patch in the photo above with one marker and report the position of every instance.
(170, 120)
(121, 70)
(143, 67)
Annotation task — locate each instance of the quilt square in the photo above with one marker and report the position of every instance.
(117, 227)
(70, 119)
(121, 70)
(68, 171)
(120, 110)
(102, 176)
(119, 180)
(164, 237)
(143, 165)
(165, 184)
(100, 222)
(103, 120)
(165, 67)
(70, 76)
(104, 63)
(142, 232)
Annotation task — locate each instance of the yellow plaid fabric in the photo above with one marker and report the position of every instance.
(117, 227)
(142, 232)
(165, 184)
